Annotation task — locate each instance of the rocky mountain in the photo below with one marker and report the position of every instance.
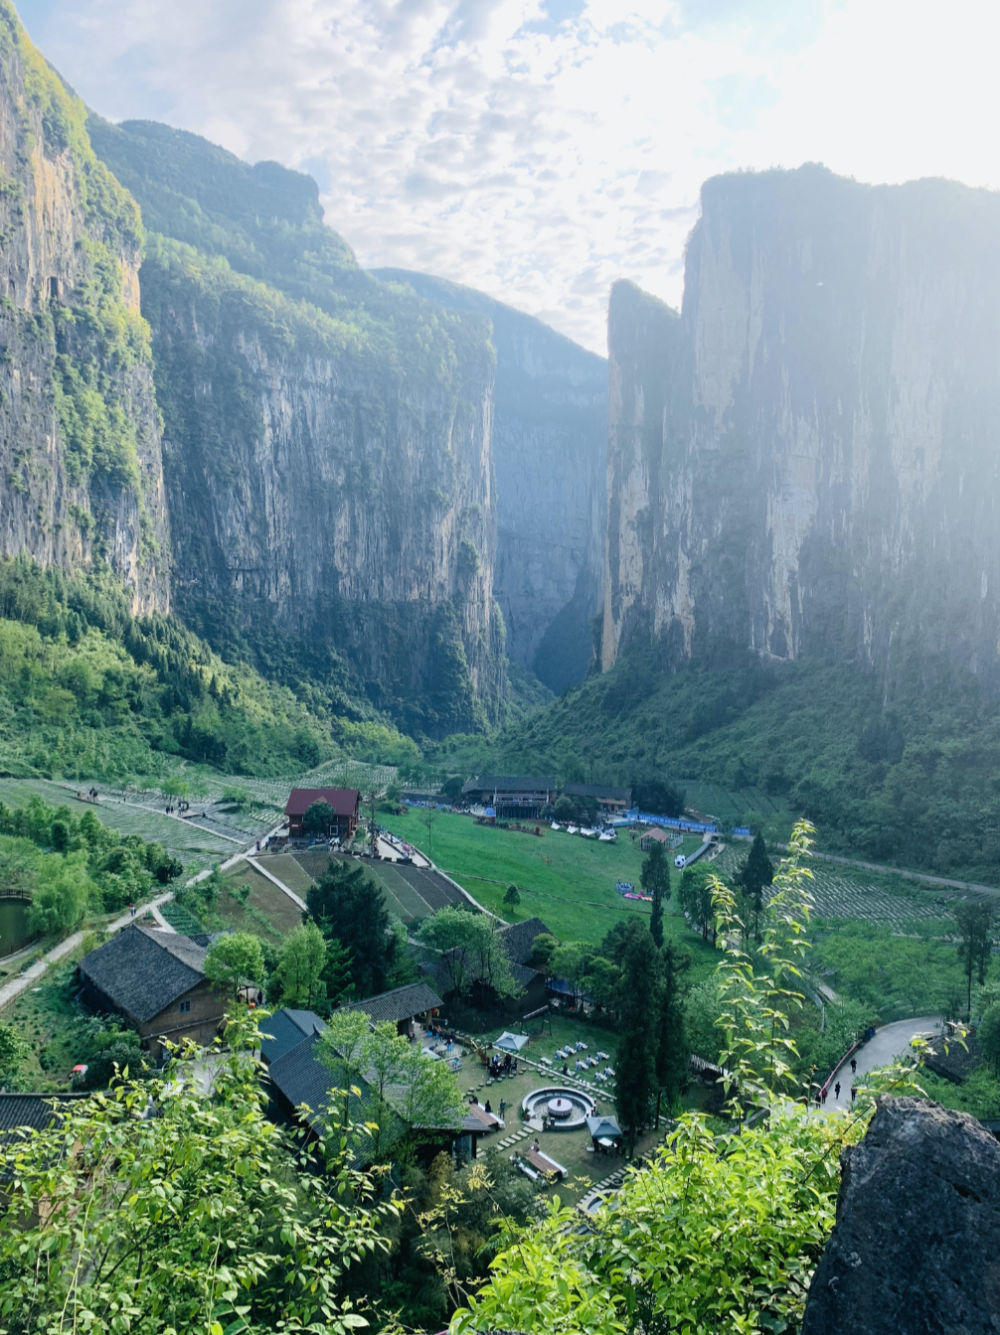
(80, 450)
(327, 438)
(550, 470)
(804, 462)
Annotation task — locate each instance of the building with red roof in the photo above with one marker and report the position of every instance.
(343, 802)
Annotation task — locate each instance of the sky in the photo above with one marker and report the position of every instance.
(538, 150)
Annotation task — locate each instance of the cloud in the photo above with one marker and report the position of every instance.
(539, 149)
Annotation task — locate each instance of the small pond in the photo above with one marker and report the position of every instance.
(13, 926)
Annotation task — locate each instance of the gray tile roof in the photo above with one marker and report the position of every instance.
(286, 1029)
(402, 1003)
(519, 938)
(33, 1110)
(143, 970)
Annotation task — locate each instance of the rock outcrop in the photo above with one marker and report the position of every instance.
(916, 1246)
(327, 443)
(80, 468)
(806, 462)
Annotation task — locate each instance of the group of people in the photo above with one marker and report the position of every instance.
(822, 1094)
(505, 1065)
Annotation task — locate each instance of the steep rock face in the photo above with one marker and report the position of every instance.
(550, 464)
(328, 461)
(819, 466)
(915, 1247)
(79, 430)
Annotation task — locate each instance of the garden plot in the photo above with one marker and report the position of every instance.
(289, 871)
(851, 894)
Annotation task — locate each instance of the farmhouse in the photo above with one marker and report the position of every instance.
(401, 1006)
(343, 802)
(607, 797)
(510, 795)
(156, 981)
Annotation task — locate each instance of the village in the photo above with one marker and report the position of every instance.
(534, 1070)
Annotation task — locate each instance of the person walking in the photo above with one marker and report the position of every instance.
(854, 1066)
(836, 1090)
(854, 1092)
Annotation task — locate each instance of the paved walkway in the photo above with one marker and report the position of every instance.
(12, 990)
(890, 1042)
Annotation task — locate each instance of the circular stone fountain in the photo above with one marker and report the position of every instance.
(566, 1109)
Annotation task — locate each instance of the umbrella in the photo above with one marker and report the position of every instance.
(511, 1042)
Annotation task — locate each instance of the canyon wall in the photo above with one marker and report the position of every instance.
(805, 461)
(550, 465)
(82, 484)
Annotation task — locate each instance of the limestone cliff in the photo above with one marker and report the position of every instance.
(327, 446)
(806, 462)
(80, 469)
(550, 464)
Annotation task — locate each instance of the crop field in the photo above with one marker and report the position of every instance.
(266, 909)
(195, 847)
(738, 806)
(289, 871)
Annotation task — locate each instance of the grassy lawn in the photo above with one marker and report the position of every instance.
(572, 1149)
(566, 881)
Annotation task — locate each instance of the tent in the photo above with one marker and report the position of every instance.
(511, 1042)
(604, 1128)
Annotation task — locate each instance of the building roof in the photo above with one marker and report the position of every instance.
(657, 836)
(36, 1111)
(286, 1029)
(603, 1126)
(143, 970)
(402, 1003)
(519, 938)
(598, 790)
(344, 801)
(509, 783)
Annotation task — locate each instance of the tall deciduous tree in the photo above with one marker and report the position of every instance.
(347, 905)
(319, 818)
(235, 961)
(299, 972)
(473, 950)
(655, 881)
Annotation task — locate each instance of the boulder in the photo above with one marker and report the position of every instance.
(916, 1246)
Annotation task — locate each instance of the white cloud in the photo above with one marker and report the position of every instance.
(534, 159)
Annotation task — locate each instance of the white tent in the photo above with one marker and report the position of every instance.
(511, 1042)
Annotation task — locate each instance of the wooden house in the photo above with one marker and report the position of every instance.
(343, 802)
(156, 981)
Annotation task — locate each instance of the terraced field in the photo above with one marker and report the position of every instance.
(411, 893)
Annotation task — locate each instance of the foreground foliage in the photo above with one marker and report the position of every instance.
(156, 1208)
(712, 1235)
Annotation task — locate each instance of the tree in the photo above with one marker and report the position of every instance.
(473, 950)
(451, 789)
(398, 1086)
(655, 881)
(319, 818)
(671, 1060)
(60, 900)
(755, 874)
(638, 1001)
(428, 815)
(203, 1217)
(235, 960)
(347, 905)
(975, 927)
(299, 972)
(512, 896)
(696, 901)
(14, 1052)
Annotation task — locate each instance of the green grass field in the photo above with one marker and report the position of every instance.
(566, 881)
